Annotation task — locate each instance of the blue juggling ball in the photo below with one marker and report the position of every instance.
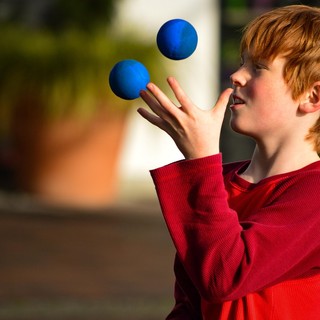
(177, 39)
(127, 78)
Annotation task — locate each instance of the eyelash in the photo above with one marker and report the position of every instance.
(257, 66)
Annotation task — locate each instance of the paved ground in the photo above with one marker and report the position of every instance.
(97, 264)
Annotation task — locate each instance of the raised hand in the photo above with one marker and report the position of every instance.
(196, 132)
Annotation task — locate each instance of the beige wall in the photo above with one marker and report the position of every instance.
(147, 147)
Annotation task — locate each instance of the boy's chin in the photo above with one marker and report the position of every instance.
(236, 127)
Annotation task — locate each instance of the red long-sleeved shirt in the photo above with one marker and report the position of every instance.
(244, 251)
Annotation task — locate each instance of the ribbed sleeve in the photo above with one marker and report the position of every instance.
(226, 253)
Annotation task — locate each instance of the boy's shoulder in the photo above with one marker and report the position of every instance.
(309, 173)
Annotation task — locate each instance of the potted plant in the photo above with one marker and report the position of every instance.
(61, 127)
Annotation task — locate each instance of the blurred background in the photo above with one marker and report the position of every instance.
(81, 232)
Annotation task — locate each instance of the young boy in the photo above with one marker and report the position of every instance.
(247, 234)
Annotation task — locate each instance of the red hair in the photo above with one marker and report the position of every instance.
(291, 32)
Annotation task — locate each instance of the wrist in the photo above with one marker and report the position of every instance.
(196, 154)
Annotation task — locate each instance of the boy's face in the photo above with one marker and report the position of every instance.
(263, 106)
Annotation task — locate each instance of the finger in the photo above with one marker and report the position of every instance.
(179, 93)
(150, 101)
(153, 119)
(163, 100)
(165, 120)
(154, 104)
(222, 101)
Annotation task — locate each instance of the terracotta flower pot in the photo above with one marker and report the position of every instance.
(70, 162)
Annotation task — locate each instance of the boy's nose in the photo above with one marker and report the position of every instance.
(237, 78)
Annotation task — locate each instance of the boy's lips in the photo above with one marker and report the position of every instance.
(236, 100)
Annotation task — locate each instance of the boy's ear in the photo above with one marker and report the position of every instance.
(310, 101)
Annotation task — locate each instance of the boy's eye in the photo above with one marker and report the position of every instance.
(259, 66)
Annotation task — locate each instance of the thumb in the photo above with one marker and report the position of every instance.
(222, 102)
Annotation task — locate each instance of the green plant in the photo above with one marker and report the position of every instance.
(58, 15)
(62, 68)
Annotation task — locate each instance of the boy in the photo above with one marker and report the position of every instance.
(247, 233)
